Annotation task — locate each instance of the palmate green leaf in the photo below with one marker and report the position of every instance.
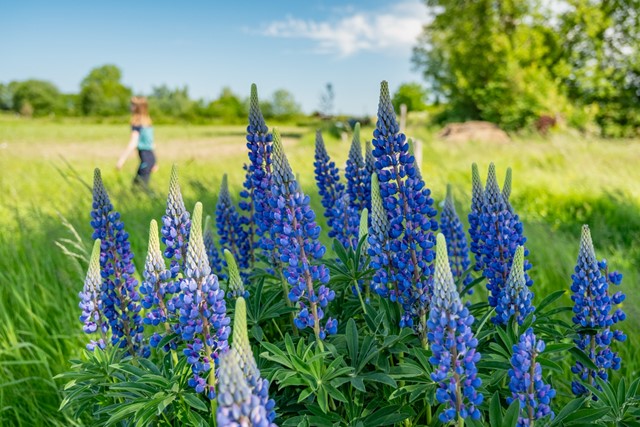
(547, 301)
(583, 358)
(495, 410)
(387, 415)
(569, 408)
(510, 418)
(194, 401)
(586, 416)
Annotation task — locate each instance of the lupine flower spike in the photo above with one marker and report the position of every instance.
(506, 188)
(230, 227)
(453, 231)
(516, 297)
(256, 190)
(355, 173)
(212, 251)
(203, 325)
(409, 206)
(379, 245)
(175, 226)
(592, 310)
(453, 345)
(296, 231)
(500, 234)
(237, 406)
(121, 301)
(91, 302)
(156, 280)
(363, 229)
(236, 287)
(526, 382)
(370, 168)
(258, 385)
(477, 200)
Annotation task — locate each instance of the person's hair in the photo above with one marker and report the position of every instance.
(140, 111)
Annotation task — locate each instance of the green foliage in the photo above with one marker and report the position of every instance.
(34, 98)
(103, 94)
(413, 95)
(284, 104)
(167, 102)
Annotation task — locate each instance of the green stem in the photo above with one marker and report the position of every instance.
(357, 286)
(460, 422)
(285, 292)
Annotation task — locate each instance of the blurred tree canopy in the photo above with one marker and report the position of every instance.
(34, 98)
(103, 94)
(413, 95)
(512, 61)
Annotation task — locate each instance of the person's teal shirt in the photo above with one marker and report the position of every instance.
(145, 140)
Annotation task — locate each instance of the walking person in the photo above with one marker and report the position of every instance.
(142, 139)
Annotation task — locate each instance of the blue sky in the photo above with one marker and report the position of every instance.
(291, 44)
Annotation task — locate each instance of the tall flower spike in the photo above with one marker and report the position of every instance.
(175, 226)
(258, 385)
(363, 229)
(91, 301)
(156, 280)
(500, 234)
(230, 227)
(236, 287)
(453, 231)
(516, 297)
(379, 248)
(412, 152)
(212, 251)
(355, 173)
(453, 345)
(203, 323)
(121, 306)
(297, 233)
(237, 406)
(409, 207)
(477, 200)
(506, 188)
(370, 168)
(526, 382)
(593, 305)
(256, 186)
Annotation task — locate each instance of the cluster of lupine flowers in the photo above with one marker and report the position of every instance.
(384, 198)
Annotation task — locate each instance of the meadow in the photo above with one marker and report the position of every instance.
(560, 183)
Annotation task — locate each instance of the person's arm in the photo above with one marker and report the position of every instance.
(133, 143)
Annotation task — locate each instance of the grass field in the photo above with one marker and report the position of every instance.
(559, 184)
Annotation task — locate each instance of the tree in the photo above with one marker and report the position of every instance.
(228, 106)
(413, 95)
(326, 100)
(284, 104)
(35, 97)
(6, 97)
(103, 94)
(170, 102)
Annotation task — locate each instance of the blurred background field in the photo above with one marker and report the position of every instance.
(560, 182)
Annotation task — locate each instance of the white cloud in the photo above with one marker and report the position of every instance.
(392, 30)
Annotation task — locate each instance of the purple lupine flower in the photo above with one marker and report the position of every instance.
(230, 227)
(157, 280)
(340, 214)
(258, 385)
(91, 302)
(453, 231)
(370, 168)
(453, 345)
(212, 251)
(255, 194)
(379, 245)
(515, 299)
(355, 173)
(477, 200)
(411, 214)
(201, 309)
(121, 306)
(593, 305)
(237, 406)
(236, 286)
(500, 235)
(175, 227)
(296, 232)
(526, 382)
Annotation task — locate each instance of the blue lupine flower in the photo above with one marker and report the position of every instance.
(256, 191)
(91, 302)
(379, 245)
(453, 345)
(118, 292)
(230, 227)
(212, 251)
(296, 232)
(236, 286)
(346, 222)
(355, 173)
(237, 406)
(453, 231)
(593, 310)
(477, 200)
(258, 385)
(515, 299)
(201, 309)
(526, 382)
(500, 234)
(410, 210)
(369, 169)
(175, 226)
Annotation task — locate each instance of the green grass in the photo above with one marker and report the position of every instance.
(559, 184)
